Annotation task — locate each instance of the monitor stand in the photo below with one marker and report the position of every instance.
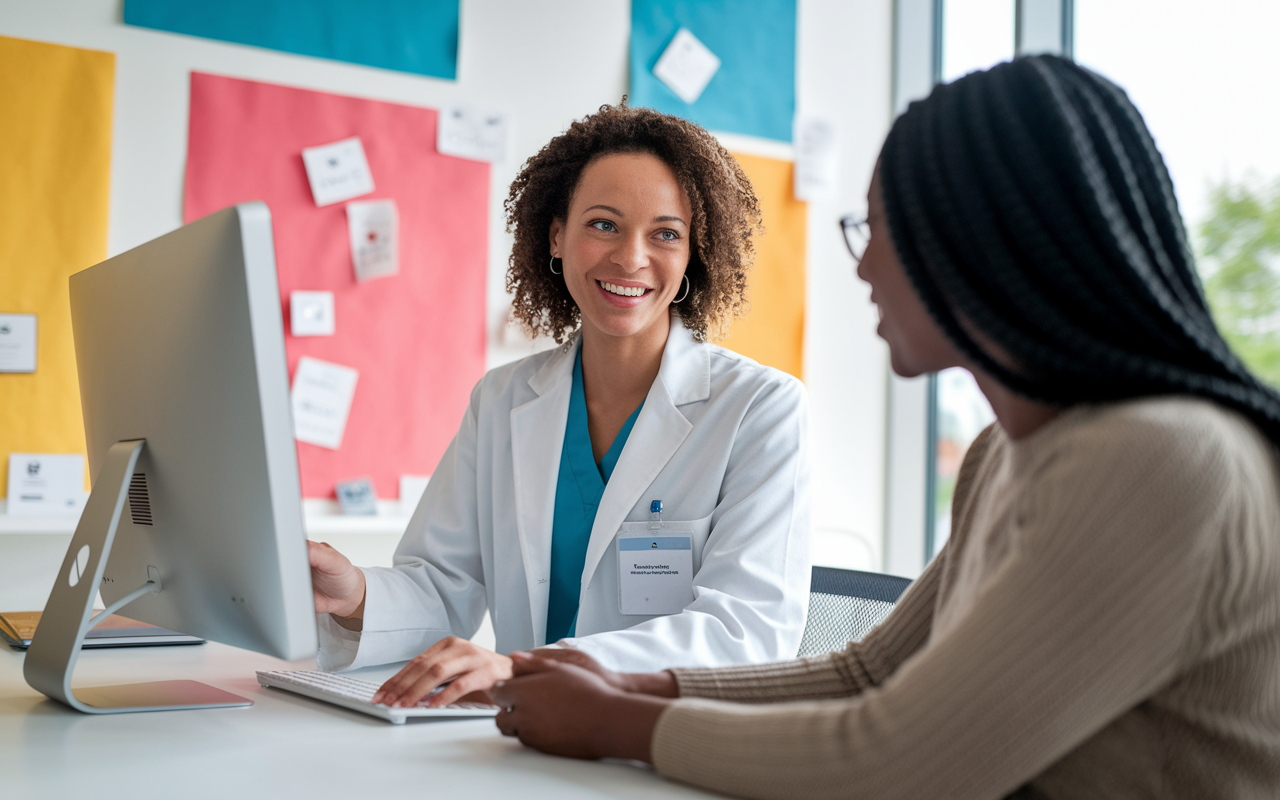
(55, 646)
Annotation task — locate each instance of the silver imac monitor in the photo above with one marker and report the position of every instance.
(195, 517)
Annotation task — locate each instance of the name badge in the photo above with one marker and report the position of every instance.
(655, 573)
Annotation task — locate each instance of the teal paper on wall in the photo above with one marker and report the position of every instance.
(754, 90)
(419, 36)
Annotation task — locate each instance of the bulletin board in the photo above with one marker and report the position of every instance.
(55, 156)
(417, 338)
(772, 332)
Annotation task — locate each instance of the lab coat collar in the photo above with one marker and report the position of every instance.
(684, 377)
(686, 366)
(537, 437)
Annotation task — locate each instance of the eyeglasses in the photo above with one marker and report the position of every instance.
(856, 234)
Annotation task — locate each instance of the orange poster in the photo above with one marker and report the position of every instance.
(55, 161)
(772, 332)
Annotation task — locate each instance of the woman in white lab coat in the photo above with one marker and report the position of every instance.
(636, 493)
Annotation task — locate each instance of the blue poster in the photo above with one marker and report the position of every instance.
(754, 90)
(419, 36)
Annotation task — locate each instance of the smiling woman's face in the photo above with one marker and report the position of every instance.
(624, 243)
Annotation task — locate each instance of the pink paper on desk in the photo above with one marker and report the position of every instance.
(417, 338)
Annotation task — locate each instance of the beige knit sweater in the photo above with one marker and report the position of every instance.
(1104, 622)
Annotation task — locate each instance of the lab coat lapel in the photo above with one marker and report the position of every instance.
(537, 435)
(684, 377)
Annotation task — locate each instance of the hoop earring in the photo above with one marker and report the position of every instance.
(686, 291)
(552, 266)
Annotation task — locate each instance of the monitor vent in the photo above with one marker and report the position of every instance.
(139, 500)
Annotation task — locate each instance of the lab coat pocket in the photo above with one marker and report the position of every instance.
(656, 565)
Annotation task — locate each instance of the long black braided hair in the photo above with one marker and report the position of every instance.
(1029, 203)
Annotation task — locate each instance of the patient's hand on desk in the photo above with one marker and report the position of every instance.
(563, 706)
(471, 668)
(658, 684)
(338, 586)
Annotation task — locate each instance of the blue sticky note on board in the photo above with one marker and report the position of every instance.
(753, 92)
(418, 36)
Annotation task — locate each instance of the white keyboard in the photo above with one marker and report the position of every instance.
(355, 694)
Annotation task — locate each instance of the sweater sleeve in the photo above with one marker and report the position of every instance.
(839, 674)
(1084, 615)
(862, 664)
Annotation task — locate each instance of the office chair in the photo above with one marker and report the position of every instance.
(844, 604)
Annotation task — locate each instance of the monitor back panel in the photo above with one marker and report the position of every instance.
(180, 342)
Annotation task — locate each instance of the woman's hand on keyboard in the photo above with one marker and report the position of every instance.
(468, 669)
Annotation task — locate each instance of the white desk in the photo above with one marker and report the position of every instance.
(284, 746)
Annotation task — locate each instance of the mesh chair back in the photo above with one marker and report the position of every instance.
(844, 605)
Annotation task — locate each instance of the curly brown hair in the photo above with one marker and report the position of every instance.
(726, 215)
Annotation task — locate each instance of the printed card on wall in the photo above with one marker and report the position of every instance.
(417, 338)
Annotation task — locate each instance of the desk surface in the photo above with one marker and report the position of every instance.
(283, 746)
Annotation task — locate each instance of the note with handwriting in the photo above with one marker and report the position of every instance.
(817, 158)
(17, 342)
(373, 227)
(322, 394)
(470, 131)
(337, 171)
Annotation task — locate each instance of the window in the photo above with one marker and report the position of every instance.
(975, 35)
(1206, 77)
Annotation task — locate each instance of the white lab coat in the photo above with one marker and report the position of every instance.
(721, 441)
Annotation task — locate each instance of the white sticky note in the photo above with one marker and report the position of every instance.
(337, 171)
(686, 66)
(357, 497)
(17, 342)
(321, 397)
(817, 158)
(411, 489)
(46, 485)
(374, 229)
(469, 131)
(311, 313)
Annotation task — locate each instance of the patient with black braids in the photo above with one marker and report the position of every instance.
(1105, 619)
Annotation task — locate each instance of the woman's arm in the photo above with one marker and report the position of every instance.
(1093, 610)
(436, 588)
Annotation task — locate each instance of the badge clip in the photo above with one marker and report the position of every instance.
(655, 516)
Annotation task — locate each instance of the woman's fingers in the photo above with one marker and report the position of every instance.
(470, 667)
(414, 680)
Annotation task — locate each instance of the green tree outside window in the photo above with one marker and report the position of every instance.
(1240, 264)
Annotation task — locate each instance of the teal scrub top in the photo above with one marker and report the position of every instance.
(579, 487)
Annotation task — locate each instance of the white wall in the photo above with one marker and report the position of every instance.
(546, 63)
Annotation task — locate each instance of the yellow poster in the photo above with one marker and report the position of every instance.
(772, 332)
(55, 159)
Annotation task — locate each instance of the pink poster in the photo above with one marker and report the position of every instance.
(417, 337)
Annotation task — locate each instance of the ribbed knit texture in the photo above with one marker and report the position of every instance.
(1104, 622)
